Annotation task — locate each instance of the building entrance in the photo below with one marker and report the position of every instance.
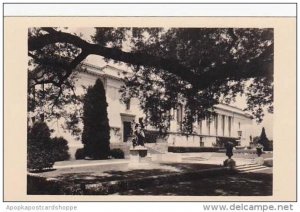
(127, 120)
(127, 132)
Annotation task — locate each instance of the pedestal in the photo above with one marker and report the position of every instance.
(136, 153)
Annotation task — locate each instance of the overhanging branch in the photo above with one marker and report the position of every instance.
(259, 66)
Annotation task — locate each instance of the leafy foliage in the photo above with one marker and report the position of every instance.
(51, 85)
(95, 136)
(117, 153)
(39, 147)
(202, 50)
(60, 149)
(263, 140)
(80, 154)
(195, 67)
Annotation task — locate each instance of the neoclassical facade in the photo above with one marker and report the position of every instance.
(228, 123)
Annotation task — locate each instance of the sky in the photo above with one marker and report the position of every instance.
(267, 122)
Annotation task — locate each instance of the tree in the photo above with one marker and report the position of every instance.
(95, 136)
(197, 67)
(256, 140)
(60, 149)
(39, 147)
(263, 140)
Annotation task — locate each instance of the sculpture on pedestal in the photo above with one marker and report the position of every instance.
(259, 150)
(139, 134)
(229, 153)
(229, 148)
(138, 149)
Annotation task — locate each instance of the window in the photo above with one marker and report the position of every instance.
(173, 113)
(200, 126)
(179, 116)
(216, 124)
(201, 142)
(223, 124)
(208, 125)
(229, 126)
(127, 103)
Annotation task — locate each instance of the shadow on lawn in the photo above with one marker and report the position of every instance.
(113, 175)
(107, 176)
(247, 184)
(42, 171)
(186, 181)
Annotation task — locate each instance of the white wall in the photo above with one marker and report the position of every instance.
(117, 113)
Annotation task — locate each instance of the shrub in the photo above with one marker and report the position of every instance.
(222, 141)
(80, 154)
(151, 136)
(96, 131)
(117, 153)
(192, 149)
(60, 149)
(39, 147)
(264, 141)
(40, 185)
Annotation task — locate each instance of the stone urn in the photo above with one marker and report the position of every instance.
(259, 149)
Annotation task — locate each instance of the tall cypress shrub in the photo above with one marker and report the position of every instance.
(95, 136)
(263, 140)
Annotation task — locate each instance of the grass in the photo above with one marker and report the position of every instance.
(94, 174)
(75, 181)
(248, 184)
(164, 179)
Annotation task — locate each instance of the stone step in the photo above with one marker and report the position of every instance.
(250, 168)
(194, 159)
(246, 168)
(247, 165)
(256, 170)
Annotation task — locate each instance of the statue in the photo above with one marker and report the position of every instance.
(229, 148)
(259, 150)
(138, 149)
(139, 134)
(230, 163)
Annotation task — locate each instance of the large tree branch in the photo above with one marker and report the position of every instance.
(136, 58)
(259, 66)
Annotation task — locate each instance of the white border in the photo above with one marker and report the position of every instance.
(162, 9)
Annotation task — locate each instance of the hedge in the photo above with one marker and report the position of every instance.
(192, 149)
(117, 153)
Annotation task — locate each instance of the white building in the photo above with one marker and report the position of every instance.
(229, 123)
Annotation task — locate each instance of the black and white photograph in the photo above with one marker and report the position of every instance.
(150, 111)
(129, 106)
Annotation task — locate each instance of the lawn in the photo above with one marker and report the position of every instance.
(248, 184)
(193, 179)
(74, 179)
(94, 174)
